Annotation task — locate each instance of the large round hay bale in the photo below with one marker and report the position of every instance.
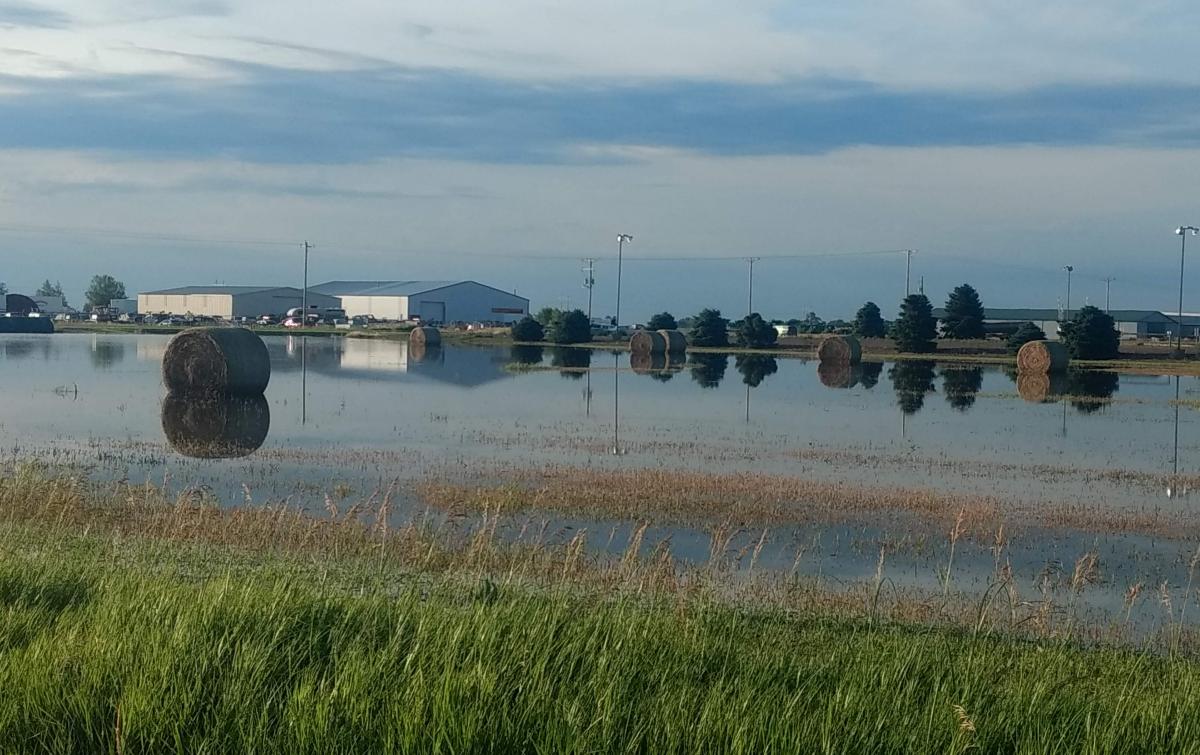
(676, 341)
(1040, 387)
(646, 364)
(216, 360)
(1042, 357)
(215, 426)
(425, 336)
(839, 350)
(647, 342)
(837, 375)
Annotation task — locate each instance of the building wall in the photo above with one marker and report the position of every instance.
(380, 307)
(277, 301)
(212, 305)
(274, 301)
(468, 302)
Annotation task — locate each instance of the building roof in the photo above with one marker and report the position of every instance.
(1020, 314)
(183, 290)
(347, 288)
(394, 288)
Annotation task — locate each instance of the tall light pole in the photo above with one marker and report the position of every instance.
(908, 253)
(1069, 269)
(1182, 232)
(589, 282)
(1108, 292)
(304, 296)
(750, 294)
(621, 239)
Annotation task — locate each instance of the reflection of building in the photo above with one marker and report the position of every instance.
(1131, 322)
(429, 301)
(374, 355)
(386, 359)
(229, 301)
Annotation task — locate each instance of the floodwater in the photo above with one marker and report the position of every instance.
(358, 413)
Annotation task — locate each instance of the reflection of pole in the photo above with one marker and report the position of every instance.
(747, 403)
(304, 379)
(1064, 425)
(1175, 454)
(616, 449)
(587, 394)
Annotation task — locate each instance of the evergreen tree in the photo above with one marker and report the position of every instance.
(964, 314)
(528, 329)
(868, 322)
(709, 329)
(570, 327)
(662, 321)
(753, 332)
(547, 315)
(1023, 335)
(915, 329)
(103, 289)
(1091, 334)
(3, 288)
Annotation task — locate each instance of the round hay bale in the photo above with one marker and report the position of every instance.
(1042, 357)
(216, 360)
(840, 350)
(676, 341)
(647, 364)
(1040, 387)
(425, 336)
(647, 342)
(215, 426)
(837, 375)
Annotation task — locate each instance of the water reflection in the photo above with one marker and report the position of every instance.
(215, 427)
(708, 370)
(18, 348)
(869, 373)
(422, 353)
(105, 352)
(1039, 388)
(912, 380)
(571, 363)
(835, 375)
(960, 386)
(661, 367)
(1091, 389)
(755, 368)
(526, 354)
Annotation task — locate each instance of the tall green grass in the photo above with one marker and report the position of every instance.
(120, 646)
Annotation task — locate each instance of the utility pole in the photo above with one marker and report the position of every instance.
(908, 253)
(1182, 232)
(304, 296)
(1069, 269)
(621, 239)
(1108, 292)
(589, 282)
(750, 295)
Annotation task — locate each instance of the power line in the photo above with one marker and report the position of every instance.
(115, 233)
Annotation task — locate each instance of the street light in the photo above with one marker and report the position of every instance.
(621, 239)
(1069, 269)
(1182, 232)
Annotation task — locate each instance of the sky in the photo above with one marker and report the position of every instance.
(182, 142)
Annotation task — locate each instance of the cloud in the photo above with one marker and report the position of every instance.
(270, 114)
(20, 14)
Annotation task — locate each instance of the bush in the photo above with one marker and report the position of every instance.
(868, 322)
(915, 330)
(570, 327)
(964, 314)
(753, 332)
(1023, 335)
(547, 315)
(528, 329)
(662, 321)
(709, 329)
(1091, 334)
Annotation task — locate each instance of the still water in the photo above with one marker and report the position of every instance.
(361, 412)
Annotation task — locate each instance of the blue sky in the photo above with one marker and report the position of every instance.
(157, 140)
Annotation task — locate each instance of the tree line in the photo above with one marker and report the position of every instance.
(101, 290)
(707, 328)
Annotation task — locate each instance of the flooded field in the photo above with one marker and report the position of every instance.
(920, 476)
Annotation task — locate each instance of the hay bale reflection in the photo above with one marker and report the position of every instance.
(838, 374)
(215, 426)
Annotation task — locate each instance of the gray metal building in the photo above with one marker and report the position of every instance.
(230, 301)
(1142, 323)
(427, 301)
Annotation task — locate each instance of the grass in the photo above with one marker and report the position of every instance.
(132, 621)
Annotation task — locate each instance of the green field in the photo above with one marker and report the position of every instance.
(133, 623)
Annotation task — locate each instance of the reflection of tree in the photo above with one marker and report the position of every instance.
(526, 354)
(961, 385)
(18, 348)
(571, 362)
(1091, 384)
(869, 373)
(107, 353)
(755, 368)
(911, 381)
(709, 369)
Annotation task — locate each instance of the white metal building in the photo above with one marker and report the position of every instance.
(428, 301)
(229, 301)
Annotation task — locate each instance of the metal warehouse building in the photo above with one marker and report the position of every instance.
(1130, 322)
(428, 301)
(229, 301)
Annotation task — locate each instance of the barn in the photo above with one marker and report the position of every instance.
(230, 301)
(427, 301)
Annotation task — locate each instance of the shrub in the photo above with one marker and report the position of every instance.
(868, 322)
(755, 333)
(528, 329)
(1091, 334)
(662, 321)
(1023, 335)
(570, 327)
(709, 329)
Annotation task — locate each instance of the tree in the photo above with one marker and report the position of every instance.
(753, 332)
(662, 321)
(103, 289)
(915, 329)
(547, 315)
(964, 314)
(3, 288)
(709, 329)
(1023, 335)
(811, 324)
(1091, 334)
(868, 322)
(570, 327)
(53, 289)
(528, 329)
